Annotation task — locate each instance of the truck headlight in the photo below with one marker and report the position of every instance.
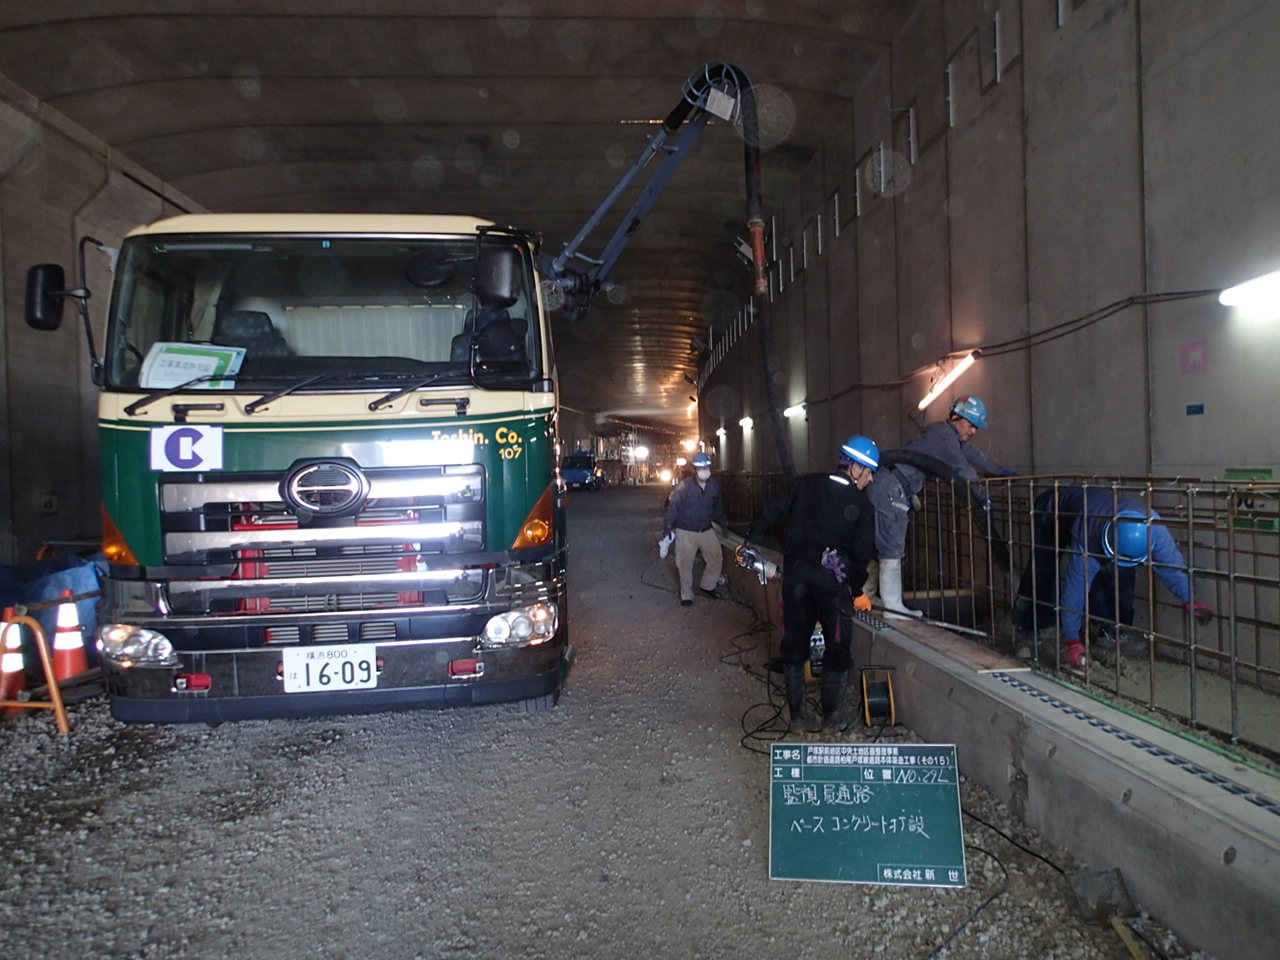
(129, 645)
(524, 625)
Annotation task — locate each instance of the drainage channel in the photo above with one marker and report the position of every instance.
(1230, 786)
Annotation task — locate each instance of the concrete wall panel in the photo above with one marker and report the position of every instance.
(1211, 186)
(1084, 234)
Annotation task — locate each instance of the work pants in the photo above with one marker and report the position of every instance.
(811, 594)
(688, 544)
(1105, 603)
(893, 510)
(1037, 605)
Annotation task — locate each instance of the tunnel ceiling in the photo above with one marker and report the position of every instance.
(525, 113)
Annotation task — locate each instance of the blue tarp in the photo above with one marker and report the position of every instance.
(31, 583)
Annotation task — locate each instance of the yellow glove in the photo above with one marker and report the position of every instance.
(862, 602)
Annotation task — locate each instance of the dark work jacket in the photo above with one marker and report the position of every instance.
(823, 510)
(694, 506)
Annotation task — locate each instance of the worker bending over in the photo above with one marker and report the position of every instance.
(945, 442)
(1105, 537)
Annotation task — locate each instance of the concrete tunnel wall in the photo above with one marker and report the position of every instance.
(1124, 151)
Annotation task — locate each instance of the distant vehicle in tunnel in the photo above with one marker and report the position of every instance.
(580, 472)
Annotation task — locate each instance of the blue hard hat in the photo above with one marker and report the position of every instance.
(972, 409)
(1127, 538)
(862, 450)
(701, 461)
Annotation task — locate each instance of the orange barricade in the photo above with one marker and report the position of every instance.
(54, 702)
(13, 673)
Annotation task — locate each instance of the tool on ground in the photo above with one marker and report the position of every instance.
(878, 708)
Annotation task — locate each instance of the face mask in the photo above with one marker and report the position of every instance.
(704, 474)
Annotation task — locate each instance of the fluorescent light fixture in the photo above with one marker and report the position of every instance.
(795, 411)
(952, 375)
(1259, 297)
(721, 433)
(745, 423)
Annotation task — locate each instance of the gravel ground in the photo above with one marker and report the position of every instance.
(630, 821)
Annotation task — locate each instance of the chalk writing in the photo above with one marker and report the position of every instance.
(884, 825)
(866, 813)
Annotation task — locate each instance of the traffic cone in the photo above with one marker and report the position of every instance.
(69, 657)
(13, 675)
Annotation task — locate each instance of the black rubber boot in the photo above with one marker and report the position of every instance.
(800, 718)
(833, 685)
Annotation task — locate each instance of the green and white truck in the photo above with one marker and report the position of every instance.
(329, 465)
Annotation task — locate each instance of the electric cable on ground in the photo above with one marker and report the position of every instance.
(1004, 885)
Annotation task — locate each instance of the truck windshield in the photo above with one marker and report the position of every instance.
(263, 311)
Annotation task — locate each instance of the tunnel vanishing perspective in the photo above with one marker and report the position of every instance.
(1038, 204)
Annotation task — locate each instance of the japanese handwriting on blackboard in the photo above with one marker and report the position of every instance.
(860, 824)
(848, 794)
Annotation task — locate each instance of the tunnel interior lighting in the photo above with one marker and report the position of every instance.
(721, 433)
(1259, 297)
(794, 411)
(746, 423)
(965, 362)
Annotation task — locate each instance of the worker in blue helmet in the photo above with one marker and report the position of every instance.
(830, 538)
(694, 506)
(942, 449)
(1104, 537)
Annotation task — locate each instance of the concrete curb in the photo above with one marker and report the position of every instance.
(1114, 791)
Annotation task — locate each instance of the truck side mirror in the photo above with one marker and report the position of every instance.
(497, 276)
(46, 285)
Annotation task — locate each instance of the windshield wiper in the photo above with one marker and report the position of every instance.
(386, 398)
(137, 405)
(262, 401)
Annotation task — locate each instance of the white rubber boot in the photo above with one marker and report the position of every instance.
(891, 591)
(871, 588)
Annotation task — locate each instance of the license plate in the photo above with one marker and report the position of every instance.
(349, 666)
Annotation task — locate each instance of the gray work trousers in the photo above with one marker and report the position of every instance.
(893, 509)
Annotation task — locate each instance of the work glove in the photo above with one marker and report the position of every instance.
(664, 545)
(832, 561)
(862, 602)
(1200, 610)
(1074, 654)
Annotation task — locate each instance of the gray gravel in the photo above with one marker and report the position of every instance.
(630, 821)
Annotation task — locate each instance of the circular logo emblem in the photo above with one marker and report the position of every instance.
(325, 488)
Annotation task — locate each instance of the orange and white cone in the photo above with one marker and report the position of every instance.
(69, 657)
(13, 676)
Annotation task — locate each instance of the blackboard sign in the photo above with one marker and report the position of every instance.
(866, 813)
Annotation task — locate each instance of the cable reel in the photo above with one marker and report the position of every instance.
(878, 708)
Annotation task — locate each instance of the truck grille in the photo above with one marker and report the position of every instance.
(218, 518)
(370, 560)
